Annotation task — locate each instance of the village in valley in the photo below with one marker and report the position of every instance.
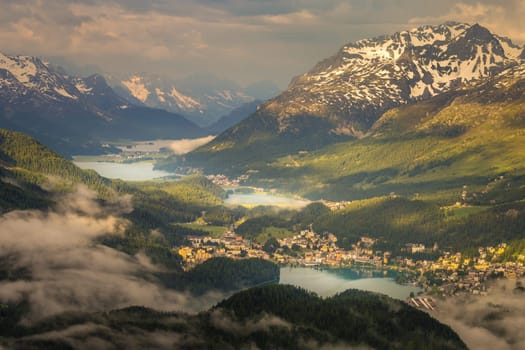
(450, 274)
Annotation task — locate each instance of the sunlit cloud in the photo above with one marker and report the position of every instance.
(294, 18)
(184, 146)
(495, 321)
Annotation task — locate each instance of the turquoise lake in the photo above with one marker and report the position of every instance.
(327, 282)
(142, 171)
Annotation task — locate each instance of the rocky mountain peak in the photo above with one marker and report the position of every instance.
(30, 75)
(479, 34)
(475, 41)
(365, 78)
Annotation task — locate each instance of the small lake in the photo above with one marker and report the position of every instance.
(265, 199)
(327, 282)
(142, 171)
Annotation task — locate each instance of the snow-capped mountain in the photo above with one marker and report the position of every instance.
(201, 98)
(369, 76)
(25, 75)
(343, 96)
(68, 113)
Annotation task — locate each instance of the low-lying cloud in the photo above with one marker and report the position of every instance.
(184, 146)
(495, 321)
(94, 336)
(69, 271)
(221, 320)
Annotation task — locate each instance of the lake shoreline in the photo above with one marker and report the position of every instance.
(328, 282)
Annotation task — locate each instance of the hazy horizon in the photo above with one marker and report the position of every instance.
(244, 41)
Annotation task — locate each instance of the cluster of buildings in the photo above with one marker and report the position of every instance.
(450, 274)
(223, 180)
(454, 274)
(335, 205)
(322, 250)
(131, 156)
(422, 302)
(304, 249)
(229, 245)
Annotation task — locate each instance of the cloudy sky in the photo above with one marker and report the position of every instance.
(244, 40)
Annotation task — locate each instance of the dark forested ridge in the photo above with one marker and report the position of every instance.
(270, 317)
(20, 151)
(224, 274)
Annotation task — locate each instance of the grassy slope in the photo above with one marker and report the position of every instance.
(467, 146)
(434, 147)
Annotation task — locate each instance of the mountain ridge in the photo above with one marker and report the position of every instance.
(201, 98)
(342, 96)
(408, 62)
(73, 114)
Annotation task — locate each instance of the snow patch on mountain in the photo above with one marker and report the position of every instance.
(183, 101)
(137, 88)
(21, 67)
(511, 50)
(63, 92)
(160, 95)
(81, 86)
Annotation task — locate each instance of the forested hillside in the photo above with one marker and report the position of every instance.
(270, 317)
(34, 177)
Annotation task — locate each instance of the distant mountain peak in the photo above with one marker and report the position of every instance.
(474, 42)
(30, 75)
(201, 97)
(478, 32)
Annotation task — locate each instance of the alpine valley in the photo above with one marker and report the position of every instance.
(79, 251)
(423, 129)
(410, 149)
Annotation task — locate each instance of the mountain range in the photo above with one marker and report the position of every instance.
(425, 84)
(420, 86)
(201, 98)
(74, 115)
